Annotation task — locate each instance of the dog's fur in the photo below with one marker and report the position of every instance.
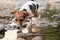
(19, 16)
(27, 10)
(32, 21)
(31, 7)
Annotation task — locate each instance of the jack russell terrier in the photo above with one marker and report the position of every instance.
(27, 10)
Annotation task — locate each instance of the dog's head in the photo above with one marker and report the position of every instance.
(19, 16)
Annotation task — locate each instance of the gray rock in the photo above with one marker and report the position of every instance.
(37, 38)
(20, 39)
(1, 27)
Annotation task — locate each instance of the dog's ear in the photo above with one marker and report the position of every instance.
(25, 13)
(13, 12)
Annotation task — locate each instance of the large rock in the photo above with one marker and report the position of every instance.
(37, 38)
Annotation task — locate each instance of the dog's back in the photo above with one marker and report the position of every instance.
(28, 6)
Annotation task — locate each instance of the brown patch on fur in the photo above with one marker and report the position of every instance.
(34, 29)
(34, 12)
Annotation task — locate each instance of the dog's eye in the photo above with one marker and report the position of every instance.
(23, 16)
(21, 19)
(16, 19)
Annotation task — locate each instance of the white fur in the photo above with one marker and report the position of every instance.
(33, 20)
(13, 23)
(26, 6)
(10, 35)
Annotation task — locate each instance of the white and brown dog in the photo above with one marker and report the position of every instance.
(27, 10)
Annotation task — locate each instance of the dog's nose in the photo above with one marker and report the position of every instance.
(18, 28)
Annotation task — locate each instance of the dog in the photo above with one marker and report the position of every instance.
(27, 10)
